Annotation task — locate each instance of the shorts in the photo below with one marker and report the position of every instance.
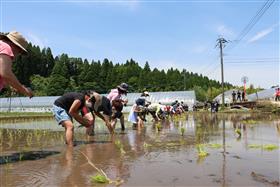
(60, 114)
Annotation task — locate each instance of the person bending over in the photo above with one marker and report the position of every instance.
(67, 107)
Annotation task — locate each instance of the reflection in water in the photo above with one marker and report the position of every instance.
(150, 157)
(22, 156)
(224, 154)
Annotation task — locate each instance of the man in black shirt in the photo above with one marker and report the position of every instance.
(238, 96)
(233, 96)
(68, 106)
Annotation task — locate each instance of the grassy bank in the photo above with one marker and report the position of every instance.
(19, 116)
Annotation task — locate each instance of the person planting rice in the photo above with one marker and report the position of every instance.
(12, 45)
(134, 116)
(144, 110)
(117, 102)
(156, 110)
(98, 103)
(67, 107)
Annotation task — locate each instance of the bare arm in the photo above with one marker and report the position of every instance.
(104, 117)
(74, 112)
(9, 77)
(100, 115)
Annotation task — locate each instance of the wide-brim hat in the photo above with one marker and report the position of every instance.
(16, 38)
(123, 87)
(146, 93)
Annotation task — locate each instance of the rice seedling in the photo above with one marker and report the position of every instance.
(146, 145)
(101, 177)
(214, 145)
(201, 152)
(182, 130)
(238, 131)
(10, 135)
(29, 139)
(270, 147)
(158, 126)
(267, 147)
(120, 146)
(21, 156)
(255, 146)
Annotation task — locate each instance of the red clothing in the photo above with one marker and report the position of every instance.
(5, 49)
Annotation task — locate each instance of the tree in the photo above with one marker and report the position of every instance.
(39, 84)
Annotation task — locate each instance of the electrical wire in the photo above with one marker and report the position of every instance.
(252, 23)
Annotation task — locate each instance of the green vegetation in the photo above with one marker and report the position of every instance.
(158, 126)
(49, 75)
(238, 131)
(120, 146)
(266, 106)
(214, 146)
(201, 151)
(182, 130)
(267, 147)
(20, 114)
(146, 145)
(99, 179)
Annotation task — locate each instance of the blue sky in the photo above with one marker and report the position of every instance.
(178, 34)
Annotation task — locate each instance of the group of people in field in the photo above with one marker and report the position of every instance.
(142, 107)
(238, 96)
(83, 106)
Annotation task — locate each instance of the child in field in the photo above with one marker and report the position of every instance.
(134, 113)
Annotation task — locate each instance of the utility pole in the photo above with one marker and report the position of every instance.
(221, 41)
(184, 71)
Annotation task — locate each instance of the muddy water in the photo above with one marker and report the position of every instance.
(148, 157)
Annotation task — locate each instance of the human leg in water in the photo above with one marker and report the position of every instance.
(69, 132)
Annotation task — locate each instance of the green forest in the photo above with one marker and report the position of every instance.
(51, 76)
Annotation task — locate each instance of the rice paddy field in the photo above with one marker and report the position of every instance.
(197, 149)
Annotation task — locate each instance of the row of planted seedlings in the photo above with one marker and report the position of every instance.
(23, 139)
(156, 143)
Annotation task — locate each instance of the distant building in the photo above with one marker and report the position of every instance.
(44, 104)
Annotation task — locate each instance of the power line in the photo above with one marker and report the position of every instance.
(252, 23)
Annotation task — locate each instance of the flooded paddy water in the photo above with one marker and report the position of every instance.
(191, 150)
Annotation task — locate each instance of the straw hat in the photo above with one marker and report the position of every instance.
(17, 39)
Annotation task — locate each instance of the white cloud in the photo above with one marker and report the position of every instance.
(262, 34)
(225, 31)
(36, 40)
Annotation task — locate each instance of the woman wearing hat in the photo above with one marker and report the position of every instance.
(12, 45)
(117, 102)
